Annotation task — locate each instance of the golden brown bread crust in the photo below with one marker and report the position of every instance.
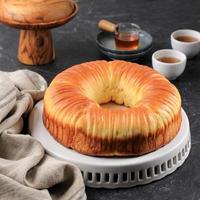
(74, 118)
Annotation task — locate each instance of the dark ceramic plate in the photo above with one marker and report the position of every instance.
(106, 41)
(127, 57)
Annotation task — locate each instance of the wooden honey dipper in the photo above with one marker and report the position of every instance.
(106, 25)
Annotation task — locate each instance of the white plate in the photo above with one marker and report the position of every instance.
(117, 172)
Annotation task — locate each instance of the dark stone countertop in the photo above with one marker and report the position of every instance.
(75, 43)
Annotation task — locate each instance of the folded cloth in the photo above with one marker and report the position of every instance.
(26, 172)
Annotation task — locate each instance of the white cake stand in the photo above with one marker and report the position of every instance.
(102, 172)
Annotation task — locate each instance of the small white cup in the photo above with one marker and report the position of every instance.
(190, 49)
(170, 70)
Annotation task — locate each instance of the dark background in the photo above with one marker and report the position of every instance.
(75, 43)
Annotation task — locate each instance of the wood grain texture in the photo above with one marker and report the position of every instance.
(35, 17)
(106, 25)
(37, 13)
(36, 47)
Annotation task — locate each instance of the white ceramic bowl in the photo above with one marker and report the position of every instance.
(170, 70)
(190, 49)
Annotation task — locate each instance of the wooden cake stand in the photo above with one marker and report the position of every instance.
(35, 18)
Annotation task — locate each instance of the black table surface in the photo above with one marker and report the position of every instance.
(75, 43)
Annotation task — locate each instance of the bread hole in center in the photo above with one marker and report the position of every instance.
(113, 105)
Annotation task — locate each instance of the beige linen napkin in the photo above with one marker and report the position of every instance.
(26, 172)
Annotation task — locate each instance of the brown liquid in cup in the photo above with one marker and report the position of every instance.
(186, 38)
(169, 60)
(126, 42)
